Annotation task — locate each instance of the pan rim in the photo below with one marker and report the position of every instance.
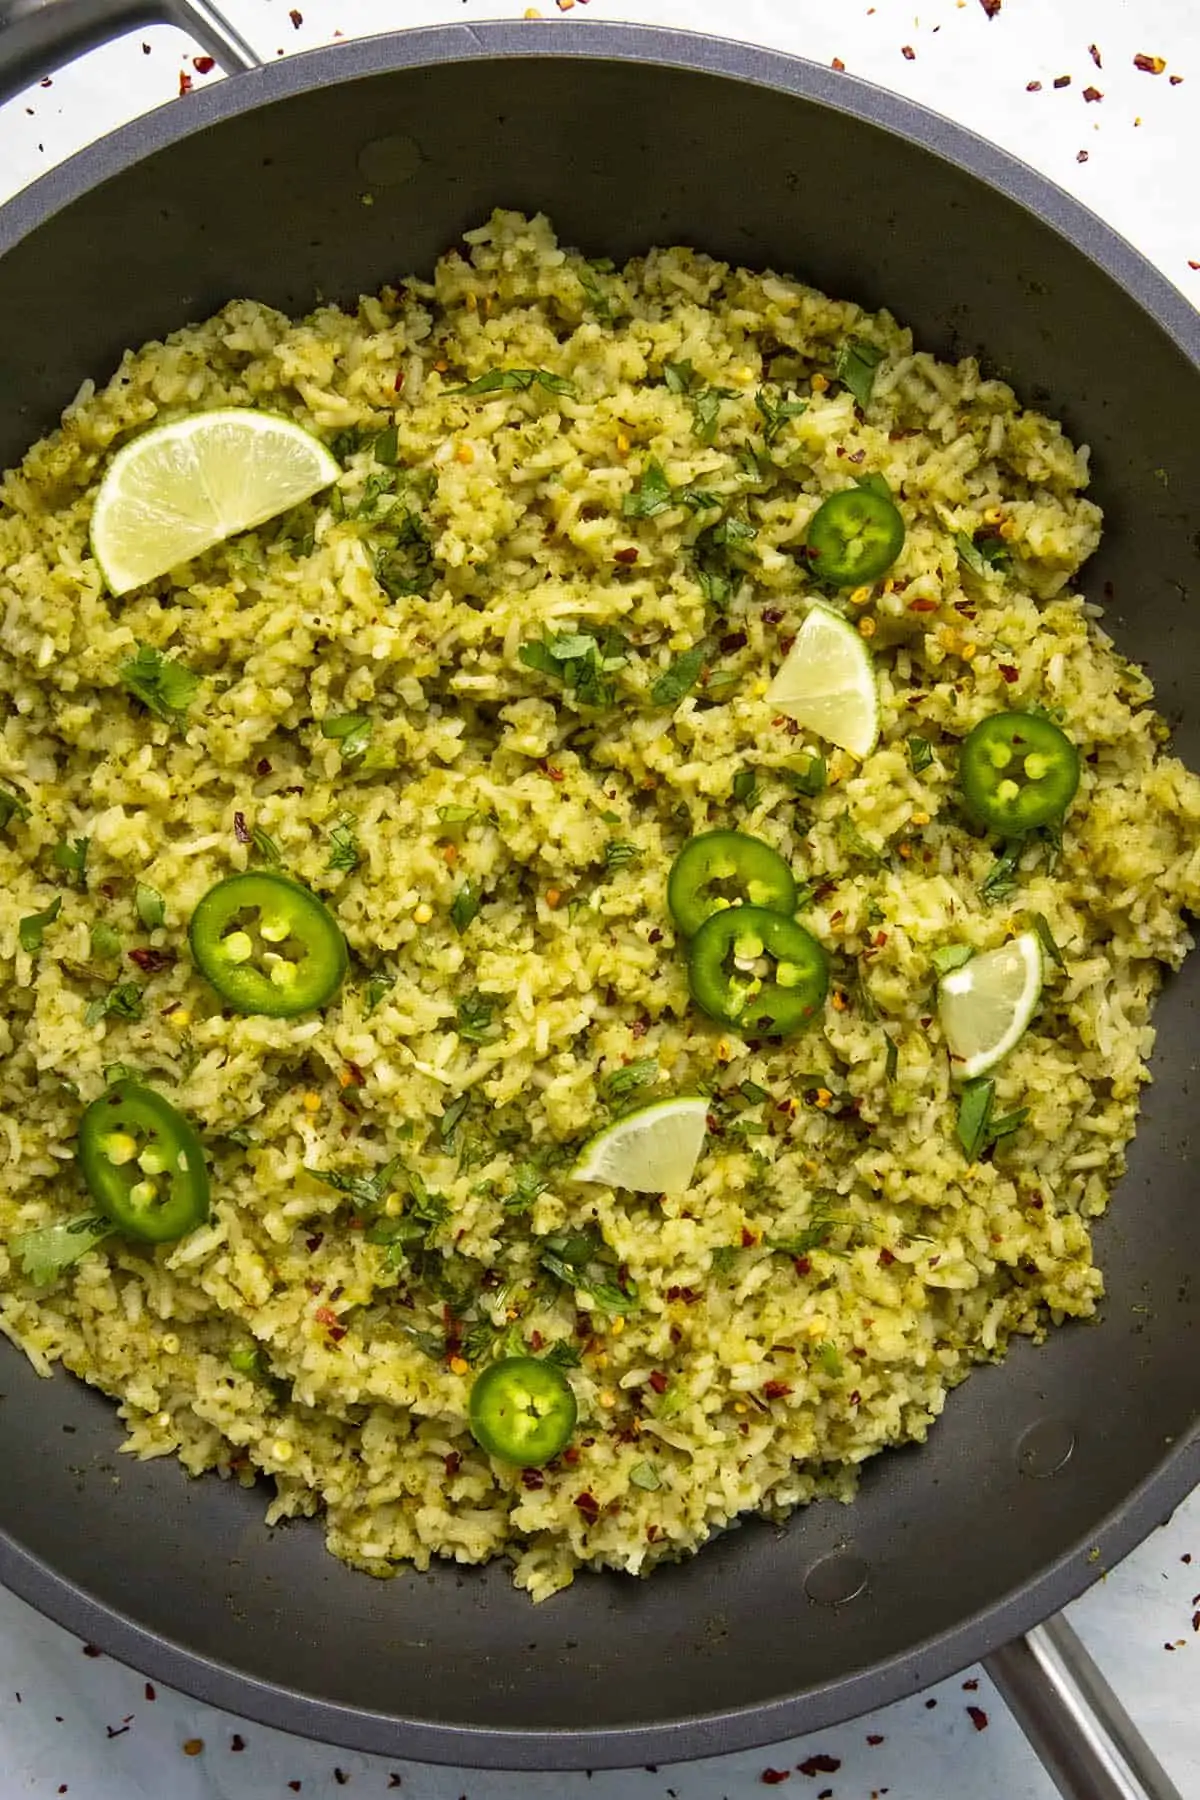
(220, 1683)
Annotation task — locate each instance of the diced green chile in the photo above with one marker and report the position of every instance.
(757, 971)
(268, 945)
(522, 1410)
(1018, 771)
(143, 1164)
(720, 869)
(854, 536)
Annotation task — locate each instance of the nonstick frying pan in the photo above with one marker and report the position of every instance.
(1042, 1472)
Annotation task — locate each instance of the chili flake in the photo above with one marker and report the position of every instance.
(839, 65)
(193, 1746)
(1149, 65)
(820, 1764)
(908, 53)
(589, 1506)
(1092, 93)
(1062, 81)
(185, 83)
(991, 7)
(204, 65)
(772, 1777)
(978, 1717)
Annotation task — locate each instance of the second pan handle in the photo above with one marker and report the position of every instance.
(39, 35)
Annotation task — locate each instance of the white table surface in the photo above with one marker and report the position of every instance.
(81, 1725)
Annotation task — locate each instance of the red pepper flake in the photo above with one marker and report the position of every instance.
(149, 1691)
(749, 1239)
(1149, 65)
(771, 615)
(295, 1786)
(874, 1737)
(1193, 265)
(237, 1743)
(452, 1463)
(241, 830)
(655, 937)
(554, 774)
(1061, 81)
(887, 1258)
(193, 1746)
(1033, 87)
(772, 1777)
(152, 962)
(1196, 1621)
(628, 556)
(570, 1456)
(922, 606)
(533, 1479)
(1092, 93)
(536, 1340)
(776, 1390)
(1009, 673)
(339, 1775)
(821, 1764)
(185, 83)
(204, 65)
(116, 1731)
(733, 640)
(92, 1650)
(802, 1265)
(589, 1506)
(146, 49)
(1081, 156)
(978, 1717)
(839, 65)
(659, 1381)
(1094, 53)
(971, 1687)
(1175, 80)
(991, 7)
(297, 18)
(909, 55)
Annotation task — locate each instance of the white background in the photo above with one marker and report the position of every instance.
(59, 1709)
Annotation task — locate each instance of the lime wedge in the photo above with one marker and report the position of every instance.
(986, 1005)
(650, 1151)
(827, 683)
(178, 489)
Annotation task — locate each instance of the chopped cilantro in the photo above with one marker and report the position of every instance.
(31, 928)
(386, 448)
(165, 687)
(950, 956)
(618, 1084)
(706, 411)
(344, 852)
(265, 847)
(975, 1127)
(1002, 880)
(451, 1119)
(123, 1001)
(745, 787)
(652, 494)
(681, 675)
(45, 1253)
(378, 986)
(464, 906)
(810, 780)
(104, 942)
(619, 853)
(1042, 926)
(474, 1017)
(855, 368)
(678, 376)
(585, 665)
(983, 556)
(70, 855)
(518, 380)
(776, 411)
(12, 806)
(920, 754)
(352, 731)
(644, 1475)
(150, 906)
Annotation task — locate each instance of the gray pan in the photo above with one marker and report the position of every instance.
(1043, 1472)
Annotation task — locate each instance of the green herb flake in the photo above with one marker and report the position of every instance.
(583, 663)
(452, 1118)
(45, 1253)
(920, 754)
(950, 956)
(165, 687)
(150, 907)
(891, 1060)
(745, 787)
(378, 987)
(618, 1084)
(812, 780)
(563, 1355)
(680, 676)
(12, 806)
(619, 853)
(30, 930)
(465, 906)
(528, 1183)
(983, 556)
(456, 815)
(386, 448)
(248, 1360)
(1047, 939)
(752, 1094)
(644, 1475)
(367, 1191)
(344, 852)
(974, 1114)
(678, 376)
(474, 1015)
(1003, 878)
(856, 845)
(123, 1001)
(265, 847)
(828, 1360)
(104, 942)
(351, 731)
(517, 381)
(70, 855)
(855, 368)
(706, 411)
(775, 411)
(651, 496)
(594, 292)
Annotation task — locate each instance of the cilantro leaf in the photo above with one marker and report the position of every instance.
(265, 847)
(378, 986)
(706, 411)
(386, 448)
(150, 906)
(681, 675)
(352, 731)
(776, 411)
(465, 906)
(678, 376)
(70, 855)
(651, 496)
(1003, 879)
(12, 806)
(122, 1001)
(920, 754)
(474, 1014)
(1042, 926)
(45, 1253)
(983, 556)
(31, 928)
(618, 1084)
(745, 787)
(811, 780)
(344, 852)
(644, 1475)
(516, 380)
(855, 368)
(165, 687)
(950, 956)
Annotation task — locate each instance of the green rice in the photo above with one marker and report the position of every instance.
(837, 1266)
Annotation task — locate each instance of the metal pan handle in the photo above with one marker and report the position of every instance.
(1087, 1742)
(39, 35)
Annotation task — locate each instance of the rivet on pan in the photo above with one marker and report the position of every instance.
(388, 161)
(1045, 1448)
(837, 1579)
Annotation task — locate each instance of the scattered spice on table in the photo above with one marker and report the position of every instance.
(92, 1650)
(991, 7)
(1081, 156)
(908, 53)
(1149, 65)
(820, 1764)
(874, 1737)
(204, 65)
(193, 1746)
(971, 1687)
(185, 83)
(150, 1692)
(1092, 94)
(1061, 81)
(237, 1743)
(978, 1717)
(1094, 53)
(297, 18)
(772, 1777)
(1033, 87)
